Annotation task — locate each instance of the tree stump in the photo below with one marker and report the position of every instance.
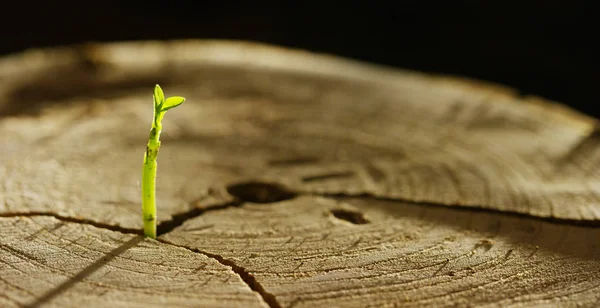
(288, 179)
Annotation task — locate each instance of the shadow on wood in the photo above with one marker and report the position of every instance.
(86, 272)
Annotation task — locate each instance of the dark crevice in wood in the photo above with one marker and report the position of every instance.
(293, 161)
(328, 176)
(259, 192)
(178, 219)
(458, 207)
(244, 274)
(162, 228)
(73, 220)
(353, 217)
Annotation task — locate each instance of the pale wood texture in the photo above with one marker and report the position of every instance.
(73, 127)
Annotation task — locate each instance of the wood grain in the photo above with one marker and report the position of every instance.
(315, 180)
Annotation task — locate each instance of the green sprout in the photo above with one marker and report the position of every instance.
(161, 105)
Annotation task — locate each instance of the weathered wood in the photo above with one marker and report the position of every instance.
(52, 263)
(319, 129)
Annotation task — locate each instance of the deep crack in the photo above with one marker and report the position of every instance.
(178, 219)
(458, 207)
(246, 276)
(162, 228)
(84, 221)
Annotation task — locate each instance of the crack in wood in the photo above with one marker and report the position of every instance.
(458, 207)
(244, 274)
(179, 219)
(293, 161)
(328, 176)
(164, 227)
(76, 220)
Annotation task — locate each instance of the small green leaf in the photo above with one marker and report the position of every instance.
(172, 102)
(159, 96)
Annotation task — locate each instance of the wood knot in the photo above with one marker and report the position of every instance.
(350, 216)
(259, 192)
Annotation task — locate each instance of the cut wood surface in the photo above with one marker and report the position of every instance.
(309, 179)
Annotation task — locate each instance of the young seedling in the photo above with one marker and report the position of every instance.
(161, 105)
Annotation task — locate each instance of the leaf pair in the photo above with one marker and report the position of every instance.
(161, 105)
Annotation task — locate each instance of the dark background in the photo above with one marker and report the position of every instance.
(541, 47)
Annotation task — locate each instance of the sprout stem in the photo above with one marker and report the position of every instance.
(149, 182)
(149, 171)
